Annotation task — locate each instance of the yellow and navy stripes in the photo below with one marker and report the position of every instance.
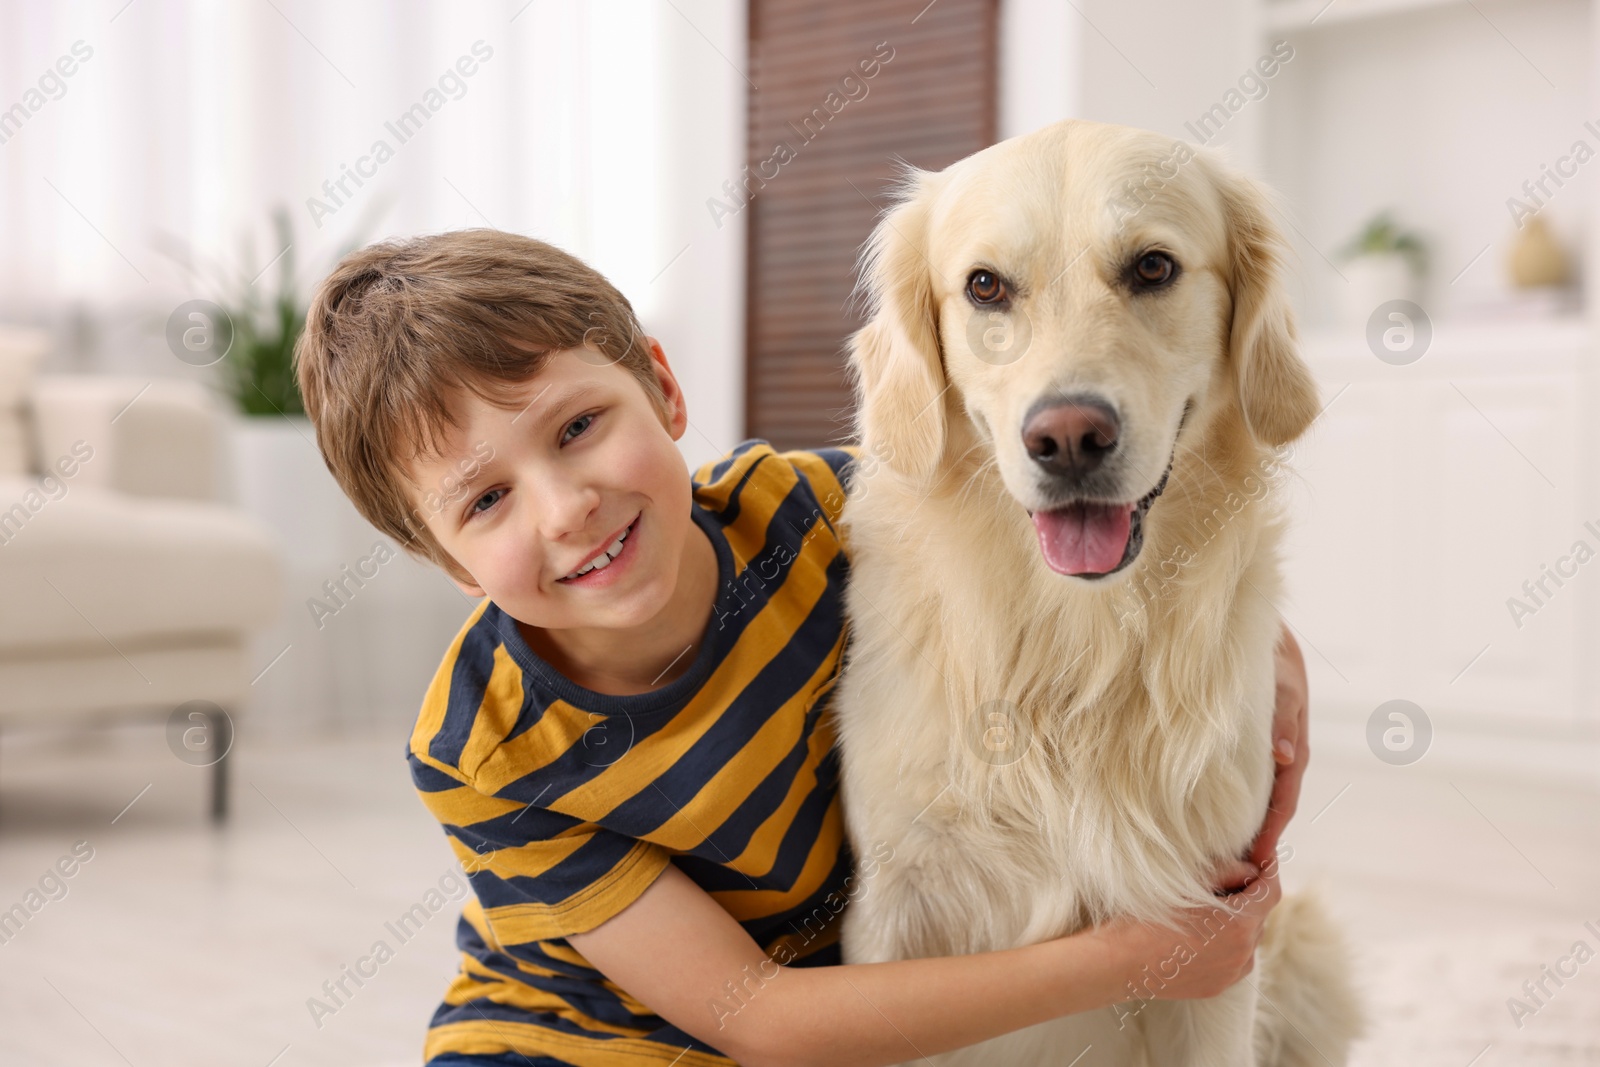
(564, 804)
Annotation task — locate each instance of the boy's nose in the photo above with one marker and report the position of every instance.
(569, 518)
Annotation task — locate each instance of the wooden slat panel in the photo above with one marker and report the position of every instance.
(933, 102)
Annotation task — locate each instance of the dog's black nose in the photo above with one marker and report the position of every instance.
(1070, 437)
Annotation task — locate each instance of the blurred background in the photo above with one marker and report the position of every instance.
(180, 579)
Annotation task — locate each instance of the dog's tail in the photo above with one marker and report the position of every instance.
(1308, 1012)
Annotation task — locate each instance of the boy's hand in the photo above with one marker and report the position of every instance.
(1202, 951)
(1288, 729)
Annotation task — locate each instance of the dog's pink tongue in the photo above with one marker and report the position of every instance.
(1084, 538)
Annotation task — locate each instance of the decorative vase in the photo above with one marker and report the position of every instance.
(1536, 258)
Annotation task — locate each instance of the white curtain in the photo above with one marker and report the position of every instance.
(195, 117)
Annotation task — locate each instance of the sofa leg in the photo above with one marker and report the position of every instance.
(221, 728)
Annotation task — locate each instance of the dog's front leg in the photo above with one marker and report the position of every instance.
(1216, 1032)
(910, 907)
(866, 932)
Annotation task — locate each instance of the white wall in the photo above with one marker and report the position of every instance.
(1040, 67)
(696, 306)
(1154, 64)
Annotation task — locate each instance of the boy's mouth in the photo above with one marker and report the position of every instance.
(605, 558)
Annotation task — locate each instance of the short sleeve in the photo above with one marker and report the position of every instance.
(829, 472)
(538, 874)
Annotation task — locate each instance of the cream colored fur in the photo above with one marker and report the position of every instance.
(1040, 751)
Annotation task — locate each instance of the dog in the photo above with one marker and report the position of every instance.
(1076, 386)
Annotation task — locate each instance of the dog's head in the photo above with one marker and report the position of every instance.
(1081, 295)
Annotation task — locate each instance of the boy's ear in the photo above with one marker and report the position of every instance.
(466, 587)
(458, 575)
(452, 570)
(676, 409)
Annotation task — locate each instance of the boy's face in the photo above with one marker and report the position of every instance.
(553, 485)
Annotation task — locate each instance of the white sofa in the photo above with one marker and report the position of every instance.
(127, 588)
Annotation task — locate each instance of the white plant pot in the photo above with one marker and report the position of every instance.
(1374, 280)
(279, 478)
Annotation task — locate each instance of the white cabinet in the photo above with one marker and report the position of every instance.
(1428, 499)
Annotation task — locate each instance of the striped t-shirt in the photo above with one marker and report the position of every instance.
(564, 804)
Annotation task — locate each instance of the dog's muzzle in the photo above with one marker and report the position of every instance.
(1090, 540)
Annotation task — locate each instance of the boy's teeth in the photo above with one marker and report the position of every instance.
(603, 560)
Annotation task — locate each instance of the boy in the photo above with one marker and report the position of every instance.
(628, 742)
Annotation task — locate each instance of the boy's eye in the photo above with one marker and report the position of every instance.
(582, 421)
(477, 505)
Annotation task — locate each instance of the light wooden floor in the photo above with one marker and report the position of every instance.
(179, 945)
(1456, 889)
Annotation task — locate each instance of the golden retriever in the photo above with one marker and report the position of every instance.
(1076, 387)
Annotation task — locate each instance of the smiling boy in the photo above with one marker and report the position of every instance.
(628, 743)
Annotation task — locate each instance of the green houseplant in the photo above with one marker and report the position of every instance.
(264, 324)
(1382, 262)
(1382, 236)
(260, 363)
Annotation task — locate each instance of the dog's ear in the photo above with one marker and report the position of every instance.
(895, 358)
(1277, 393)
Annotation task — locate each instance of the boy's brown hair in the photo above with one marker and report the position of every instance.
(401, 325)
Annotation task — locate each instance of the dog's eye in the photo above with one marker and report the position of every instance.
(1154, 269)
(985, 287)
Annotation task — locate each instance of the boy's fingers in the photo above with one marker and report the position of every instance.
(1280, 808)
(1274, 892)
(1265, 847)
(1287, 713)
(1264, 850)
(1290, 698)
(1234, 875)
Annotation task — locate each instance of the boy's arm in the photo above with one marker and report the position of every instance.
(675, 949)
